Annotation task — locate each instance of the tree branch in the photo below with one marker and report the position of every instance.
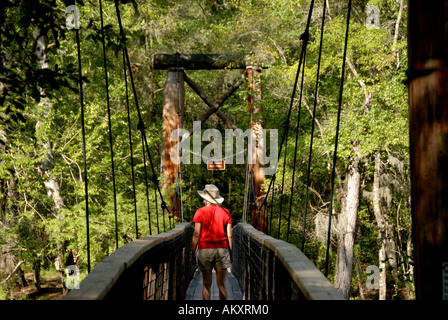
(13, 271)
(397, 31)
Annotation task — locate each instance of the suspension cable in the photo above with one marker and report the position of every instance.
(140, 125)
(179, 137)
(155, 197)
(132, 149)
(312, 126)
(272, 204)
(86, 192)
(341, 89)
(103, 40)
(250, 157)
(305, 38)
(146, 189)
(283, 181)
(295, 149)
(246, 184)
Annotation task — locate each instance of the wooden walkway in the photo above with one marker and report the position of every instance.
(194, 291)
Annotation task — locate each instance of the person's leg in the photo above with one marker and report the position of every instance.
(205, 263)
(221, 282)
(222, 263)
(206, 284)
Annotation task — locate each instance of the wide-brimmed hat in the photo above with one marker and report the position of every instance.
(211, 194)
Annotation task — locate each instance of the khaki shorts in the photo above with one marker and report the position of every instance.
(218, 258)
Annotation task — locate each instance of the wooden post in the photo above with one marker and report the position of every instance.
(176, 63)
(253, 79)
(173, 109)
(428, 125)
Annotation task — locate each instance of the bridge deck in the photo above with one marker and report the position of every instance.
(194, 291)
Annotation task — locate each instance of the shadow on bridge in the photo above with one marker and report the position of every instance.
(158, 268)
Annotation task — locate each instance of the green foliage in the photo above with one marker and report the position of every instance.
(268, 34)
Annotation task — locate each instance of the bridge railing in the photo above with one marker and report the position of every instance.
(272, 269)
(149, 268)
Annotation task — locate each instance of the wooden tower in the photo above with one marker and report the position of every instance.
(428, 128)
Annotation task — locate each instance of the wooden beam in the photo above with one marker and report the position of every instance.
(199, 61)
(209, 103)
(428, 128)
(216, 105)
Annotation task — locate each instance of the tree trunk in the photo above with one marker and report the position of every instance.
(7, 209)
(6, 192)
(51, 184)
(358, 277)
(391, 248)
(346, 228)
(381, 225)
(410, 270)
(37, 274)
(21, 276)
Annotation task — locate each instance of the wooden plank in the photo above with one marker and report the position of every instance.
(199, 61)
(194, 291)
(428, 127)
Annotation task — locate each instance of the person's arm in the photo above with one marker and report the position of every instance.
(195, 241)
(229, 237)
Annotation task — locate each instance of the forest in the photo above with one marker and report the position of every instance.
(42, 176)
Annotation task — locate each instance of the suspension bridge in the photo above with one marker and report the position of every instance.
(158, 267)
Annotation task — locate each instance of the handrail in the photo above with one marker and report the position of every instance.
(272, 269)
(149, 268)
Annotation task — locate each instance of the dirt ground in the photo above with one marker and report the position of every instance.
(51, 289)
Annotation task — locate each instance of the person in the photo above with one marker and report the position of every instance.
(212, 240)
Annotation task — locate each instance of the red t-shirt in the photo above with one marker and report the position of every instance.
(214, 221)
